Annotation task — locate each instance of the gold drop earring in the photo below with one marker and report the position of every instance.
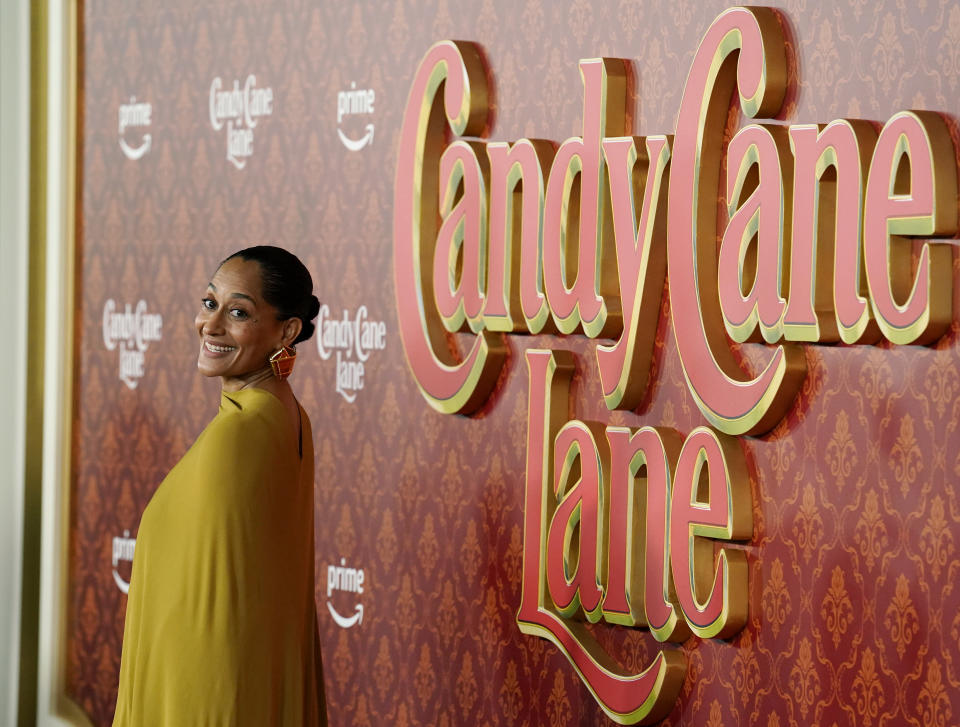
(282, 362)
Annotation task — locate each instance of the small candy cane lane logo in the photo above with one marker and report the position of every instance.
(355, 102)
(134, 115)
(131, 331)
(345, 579)
(239, 110)
(123, 548)
(351, 340)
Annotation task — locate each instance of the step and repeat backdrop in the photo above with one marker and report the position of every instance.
(452, 494)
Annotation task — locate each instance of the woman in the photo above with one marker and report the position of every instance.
(221, 622)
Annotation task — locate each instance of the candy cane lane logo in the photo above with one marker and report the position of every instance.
(239, 109)
(134, 115)
(355, 102)
(131, 332)
(350, 340)
(632, 526)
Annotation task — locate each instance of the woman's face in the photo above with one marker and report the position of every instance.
(239, 330)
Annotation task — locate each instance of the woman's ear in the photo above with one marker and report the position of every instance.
(291, 329)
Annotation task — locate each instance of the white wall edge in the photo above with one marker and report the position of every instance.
(14, 277)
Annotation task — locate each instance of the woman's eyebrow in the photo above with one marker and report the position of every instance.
(211, 286)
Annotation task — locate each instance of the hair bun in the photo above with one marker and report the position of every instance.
(306, 332)
(313, 308)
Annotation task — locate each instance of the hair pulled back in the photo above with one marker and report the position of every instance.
(286, 283)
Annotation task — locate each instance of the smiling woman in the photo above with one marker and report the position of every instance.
(221, 621)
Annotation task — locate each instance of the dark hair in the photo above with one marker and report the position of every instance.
(287, 285)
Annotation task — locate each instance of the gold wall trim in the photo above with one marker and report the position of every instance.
(73, 28)
(55, 63)
(35, 353)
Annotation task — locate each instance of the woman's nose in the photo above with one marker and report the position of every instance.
(211, 322)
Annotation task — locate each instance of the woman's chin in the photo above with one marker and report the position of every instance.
(206, 369)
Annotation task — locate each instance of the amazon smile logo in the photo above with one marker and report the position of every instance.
(356, 101)
(348, 580)
(134, 115)
(123, 548)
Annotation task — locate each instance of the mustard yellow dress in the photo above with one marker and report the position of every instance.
(221, 624)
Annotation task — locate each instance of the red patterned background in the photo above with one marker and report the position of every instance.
(854, 610)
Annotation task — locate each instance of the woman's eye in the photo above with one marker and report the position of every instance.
(208, 303)
(238, 313)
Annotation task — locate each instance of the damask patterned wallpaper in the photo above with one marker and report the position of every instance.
(854, 610)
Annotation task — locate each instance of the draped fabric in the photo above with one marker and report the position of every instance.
(221, 621)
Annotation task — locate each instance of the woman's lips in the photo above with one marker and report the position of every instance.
(213, 349)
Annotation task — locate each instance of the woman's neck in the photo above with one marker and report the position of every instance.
(259, 379)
